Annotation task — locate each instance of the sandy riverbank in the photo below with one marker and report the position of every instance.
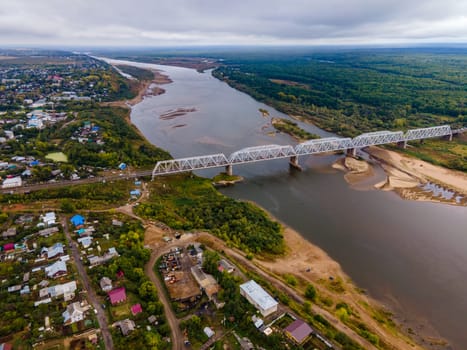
(405, 174)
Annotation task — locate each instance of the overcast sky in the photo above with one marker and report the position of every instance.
(231, 22)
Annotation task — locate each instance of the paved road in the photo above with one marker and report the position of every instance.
(177, 335)
(101, 316)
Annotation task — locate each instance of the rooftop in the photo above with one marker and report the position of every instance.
(258, 294)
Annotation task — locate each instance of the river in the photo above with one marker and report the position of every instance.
(409, 255)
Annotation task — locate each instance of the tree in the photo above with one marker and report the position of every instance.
(310, 292)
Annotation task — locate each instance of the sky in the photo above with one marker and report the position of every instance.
(231, 22)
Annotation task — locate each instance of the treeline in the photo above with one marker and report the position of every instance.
(190, 203)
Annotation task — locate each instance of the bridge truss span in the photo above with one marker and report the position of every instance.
(328, 144)
(377, 138)
(425, 133)
(180, 165)
(260, 153)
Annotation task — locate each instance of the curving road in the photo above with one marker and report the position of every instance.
(101, 316)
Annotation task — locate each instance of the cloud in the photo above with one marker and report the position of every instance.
(200, 22)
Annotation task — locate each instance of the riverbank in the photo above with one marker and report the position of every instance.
(406, 174)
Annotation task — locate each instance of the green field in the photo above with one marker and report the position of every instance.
(57, 157)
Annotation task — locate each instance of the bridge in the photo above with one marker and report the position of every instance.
(328, 144)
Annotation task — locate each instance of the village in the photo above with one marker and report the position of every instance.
(49, 290)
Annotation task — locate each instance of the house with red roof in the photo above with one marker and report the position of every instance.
(136, 309)
(117, 295)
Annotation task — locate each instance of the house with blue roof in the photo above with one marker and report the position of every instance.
(122, 166)
(77, 220)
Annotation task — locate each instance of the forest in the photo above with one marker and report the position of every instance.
(188, 203)
(356, 91)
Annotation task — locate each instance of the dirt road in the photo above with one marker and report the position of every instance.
(177, 336)
(101, 316)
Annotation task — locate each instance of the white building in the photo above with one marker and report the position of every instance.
(12, 182)
(74, 313)
(258, 297)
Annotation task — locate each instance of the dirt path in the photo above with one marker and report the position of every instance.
(177, 336)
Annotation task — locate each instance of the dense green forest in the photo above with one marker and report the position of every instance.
(191, 203)
(351, 92)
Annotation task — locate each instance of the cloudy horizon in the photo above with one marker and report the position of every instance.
(207, 22)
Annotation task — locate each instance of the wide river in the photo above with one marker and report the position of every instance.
(409, 255)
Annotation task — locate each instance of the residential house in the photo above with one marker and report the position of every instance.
(77, 220)
(106, 284)
(136, 309)
(117, 295)
(47, 232)
(85, 241)
(49, 219)
(54, 251)
(126, 326)
(56, 270)
(226, 266)
(11, 232)
(74, 312)
(298, 331)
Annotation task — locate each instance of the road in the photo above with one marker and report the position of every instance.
(177, 335)
(101, 316)
(89, 180)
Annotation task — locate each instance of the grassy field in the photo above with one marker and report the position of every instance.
(57, 157)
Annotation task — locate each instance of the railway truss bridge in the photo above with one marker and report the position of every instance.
(329, 144)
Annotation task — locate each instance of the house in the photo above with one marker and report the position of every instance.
(126, 326)
(49, 218)
(66, 289)
(55, 251)
(106, 284)
(85, 241)
(117, 223)
(208, 331)
(12, 182)
(8, 246)
(117, 295)
(258, 297)
(226, 266)
(56, 270)
(152, 319)
(122, 166)
(135, 193)
(48, 231)
(136, 309)
(74, 312)
(77, 220)
(298, 331)
(11, 232)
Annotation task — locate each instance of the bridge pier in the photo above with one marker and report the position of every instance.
(402, 144)
(352, 152)
(293, 162)
(229, 170)
(448, 137)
